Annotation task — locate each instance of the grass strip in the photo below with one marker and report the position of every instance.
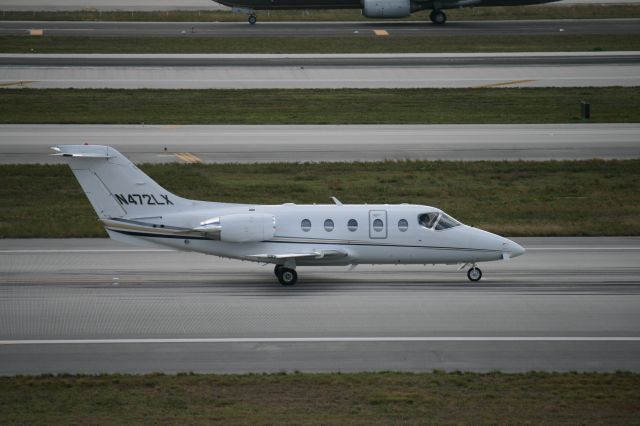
(361, 398)
(361, 43)
(586, 11)
(555, 198)
(318, 106)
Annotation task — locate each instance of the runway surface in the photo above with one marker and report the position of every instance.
(586, 69)
(92, 305)
(321, 60)
(250, 144)
(320, 29)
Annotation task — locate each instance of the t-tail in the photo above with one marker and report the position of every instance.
(117, 188)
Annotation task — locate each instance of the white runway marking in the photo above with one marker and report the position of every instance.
(330, 339)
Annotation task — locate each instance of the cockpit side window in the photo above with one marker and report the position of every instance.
(437, 221)
(446, 222)
(428, 219)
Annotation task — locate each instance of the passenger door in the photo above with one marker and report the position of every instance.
(377, 224)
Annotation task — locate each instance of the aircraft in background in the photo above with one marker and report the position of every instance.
(135, 209)
(384, 9)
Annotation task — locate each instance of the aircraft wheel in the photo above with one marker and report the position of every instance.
(287, 276)
(438, 17)
(252, 19)
(277, 269)
(474, 274)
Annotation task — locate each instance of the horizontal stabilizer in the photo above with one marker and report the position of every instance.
(83, 151)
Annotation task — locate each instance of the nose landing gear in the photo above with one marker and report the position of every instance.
(252, 19)
(474, 274)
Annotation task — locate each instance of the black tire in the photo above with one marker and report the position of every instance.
(474, 274)
(277, 269)
(287, 276)
(252, 19)
(438, 17)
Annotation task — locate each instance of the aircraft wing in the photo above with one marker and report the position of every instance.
(314, 254)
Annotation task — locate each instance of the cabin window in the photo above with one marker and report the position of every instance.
(352, 225)
(305, 225)
(378, 225)
(328, 225)
(403, 225)
(446, 222)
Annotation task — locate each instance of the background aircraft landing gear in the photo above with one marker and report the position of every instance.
(474, 274)
(438, 17)
(252, 19)
(286, 276)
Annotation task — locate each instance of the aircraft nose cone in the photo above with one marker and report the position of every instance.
(513, 249)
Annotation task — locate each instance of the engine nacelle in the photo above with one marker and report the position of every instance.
(386, 8)
(240, 228)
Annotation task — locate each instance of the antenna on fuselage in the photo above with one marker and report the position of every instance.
(336, 201)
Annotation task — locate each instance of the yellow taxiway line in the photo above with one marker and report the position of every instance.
(504, 83)
(188, 157)
(17, 83)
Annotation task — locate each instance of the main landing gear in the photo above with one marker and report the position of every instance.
(252, 19)
(438, 17)
(286, 276)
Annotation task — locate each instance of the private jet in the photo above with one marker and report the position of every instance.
(135, 209)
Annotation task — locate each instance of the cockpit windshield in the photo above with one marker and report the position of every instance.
(446, 222)
(437, 221)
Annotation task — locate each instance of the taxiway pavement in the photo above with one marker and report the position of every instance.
(320, 29)
(578, 69)
(262, 143)
(92, 306)
(392, 60)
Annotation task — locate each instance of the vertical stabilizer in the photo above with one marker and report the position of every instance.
(115, 186)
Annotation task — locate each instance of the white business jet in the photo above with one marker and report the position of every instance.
(134, 209)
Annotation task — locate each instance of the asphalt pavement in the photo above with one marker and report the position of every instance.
(492, 70)
(30, 143)
(321, 29)
(399, 60)
(92, 305)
